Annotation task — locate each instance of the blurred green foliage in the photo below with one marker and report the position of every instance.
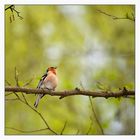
(89, 48)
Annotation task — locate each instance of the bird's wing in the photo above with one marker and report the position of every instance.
(41, 80)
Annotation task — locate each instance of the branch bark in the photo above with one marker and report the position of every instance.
(106, 94)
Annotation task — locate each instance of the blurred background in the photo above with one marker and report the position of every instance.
(90, 49)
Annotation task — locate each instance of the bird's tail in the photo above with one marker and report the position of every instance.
(37, 100)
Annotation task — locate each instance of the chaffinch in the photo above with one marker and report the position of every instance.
(48, 81)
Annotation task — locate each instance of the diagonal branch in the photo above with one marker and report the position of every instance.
(41, 116)
(9, 7)
(97, 120)
(13, 99)
(28, 83)
(127, 17)
(24, 101)
(89, 128)
(121, 93)
(63, 128)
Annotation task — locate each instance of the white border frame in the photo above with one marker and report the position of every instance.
(137, 67)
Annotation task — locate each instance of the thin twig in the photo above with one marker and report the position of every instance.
(24, 97)
(41, 116)
(7, 94)
(25, 131)
(97, 120)
(127, 17)
(26, 103)
(7, 83)
(9, 7)
(16, 77)
(63, 128)
(13, 99)
(17, 84)
(18, 13)
(13, 10)
(28, 83)
(16, 95)
(89, 128)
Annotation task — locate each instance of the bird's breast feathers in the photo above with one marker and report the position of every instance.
(50, 81)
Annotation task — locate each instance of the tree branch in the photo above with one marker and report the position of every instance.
(13, 10)
(106, 94)
(9, 7)
(127, 17)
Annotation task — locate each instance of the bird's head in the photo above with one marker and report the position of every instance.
(52, 69)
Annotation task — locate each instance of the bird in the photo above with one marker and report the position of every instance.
(48, 81)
